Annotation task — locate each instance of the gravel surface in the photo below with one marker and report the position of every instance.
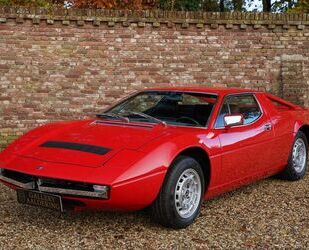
(266, 215)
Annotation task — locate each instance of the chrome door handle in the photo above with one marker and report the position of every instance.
(268, 126)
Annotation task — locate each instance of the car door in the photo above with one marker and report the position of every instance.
(246, 149)
(283, 127)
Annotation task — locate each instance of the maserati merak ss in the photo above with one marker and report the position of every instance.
(166, 149)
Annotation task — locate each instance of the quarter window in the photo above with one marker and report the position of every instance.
(239, 104)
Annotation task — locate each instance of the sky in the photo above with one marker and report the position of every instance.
(257, 4)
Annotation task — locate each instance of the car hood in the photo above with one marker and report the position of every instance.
(91, 143)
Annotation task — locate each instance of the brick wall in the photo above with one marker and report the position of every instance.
(60, 65)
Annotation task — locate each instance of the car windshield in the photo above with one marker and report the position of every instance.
(175, 108)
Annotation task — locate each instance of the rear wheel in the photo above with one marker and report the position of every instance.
(180, 198)
(298, 161)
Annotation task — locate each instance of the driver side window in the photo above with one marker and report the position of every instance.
(239, 104)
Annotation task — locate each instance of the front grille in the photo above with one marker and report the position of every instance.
(53, 183)
(49, 185)
(18, 179)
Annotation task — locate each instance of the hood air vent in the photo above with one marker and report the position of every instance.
(76, 146)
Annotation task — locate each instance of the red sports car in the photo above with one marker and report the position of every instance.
(167, 149)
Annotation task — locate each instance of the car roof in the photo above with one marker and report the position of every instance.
(208, 90)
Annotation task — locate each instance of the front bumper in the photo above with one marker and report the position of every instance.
(129, 188)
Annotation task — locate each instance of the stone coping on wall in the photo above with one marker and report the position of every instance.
(153, 17)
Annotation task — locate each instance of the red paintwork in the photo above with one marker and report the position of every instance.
(141, 155)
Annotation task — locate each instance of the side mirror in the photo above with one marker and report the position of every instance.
(233, 120)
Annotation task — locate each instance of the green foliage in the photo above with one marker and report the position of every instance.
(211, 5)
(201, 5)
(188, 5)
(301, 7)
(5, 2)
(298, 6)
(238, 5)
(26, 3)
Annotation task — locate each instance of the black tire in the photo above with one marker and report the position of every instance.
(290, 172)
(164, 208)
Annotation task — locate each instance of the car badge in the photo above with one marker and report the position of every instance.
(40, 168)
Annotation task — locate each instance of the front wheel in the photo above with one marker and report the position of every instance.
(180, 198)
(298, 161)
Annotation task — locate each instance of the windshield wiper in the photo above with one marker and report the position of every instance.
(126, 119)
(114, 116)
(148, 117)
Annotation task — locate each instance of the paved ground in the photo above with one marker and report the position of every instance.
(269, 214)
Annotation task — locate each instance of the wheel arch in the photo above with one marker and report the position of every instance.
(305, 130)
(202, 157)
